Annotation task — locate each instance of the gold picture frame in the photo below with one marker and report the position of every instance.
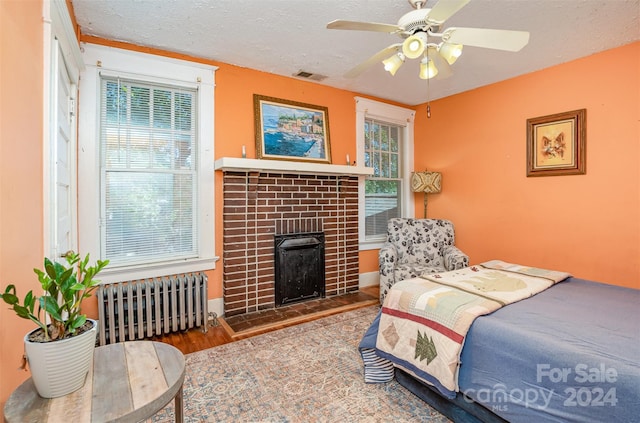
(556, 144)
(290, 130)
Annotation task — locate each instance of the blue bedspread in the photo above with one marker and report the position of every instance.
(570, 353)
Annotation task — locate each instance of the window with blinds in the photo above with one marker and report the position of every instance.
(148, 175)
(382, 145)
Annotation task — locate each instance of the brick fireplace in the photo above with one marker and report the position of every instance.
(262, 203)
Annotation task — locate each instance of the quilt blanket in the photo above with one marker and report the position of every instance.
(424, 320)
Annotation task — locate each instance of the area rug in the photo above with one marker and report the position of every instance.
(310, 372)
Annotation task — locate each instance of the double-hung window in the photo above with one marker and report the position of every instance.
(385, 143)
(148, 171)
(146, 164)
(383, 190)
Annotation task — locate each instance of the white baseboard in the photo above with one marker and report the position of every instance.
(369, 279)
(216, 305)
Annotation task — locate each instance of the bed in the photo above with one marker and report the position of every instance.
(568, 353)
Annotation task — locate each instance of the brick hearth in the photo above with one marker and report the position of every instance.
(259, 205)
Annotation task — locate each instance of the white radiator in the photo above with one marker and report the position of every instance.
(134, 310)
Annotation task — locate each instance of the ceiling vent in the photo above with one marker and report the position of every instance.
(309, 75)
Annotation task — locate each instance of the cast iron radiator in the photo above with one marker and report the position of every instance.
(140, 309)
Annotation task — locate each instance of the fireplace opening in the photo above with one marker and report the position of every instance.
(299, 267)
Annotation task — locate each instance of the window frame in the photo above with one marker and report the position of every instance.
(58, 31)
(395, 115)
(152, 69)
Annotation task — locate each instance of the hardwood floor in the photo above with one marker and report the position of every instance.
(261, 322)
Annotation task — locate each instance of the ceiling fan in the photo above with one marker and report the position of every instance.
(419, 27)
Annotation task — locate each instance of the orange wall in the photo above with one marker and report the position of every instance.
(21, 204)
(584, 224)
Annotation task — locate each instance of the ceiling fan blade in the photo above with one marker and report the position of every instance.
(378, 57)
(363, 26)
(498, 39)
(444, 9)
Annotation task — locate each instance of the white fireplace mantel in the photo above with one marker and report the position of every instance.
(237, 164)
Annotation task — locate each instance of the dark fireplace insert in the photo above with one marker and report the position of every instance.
(299, 267)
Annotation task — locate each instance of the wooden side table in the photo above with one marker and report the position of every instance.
(129, 382)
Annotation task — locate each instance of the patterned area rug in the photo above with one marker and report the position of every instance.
(306, 373)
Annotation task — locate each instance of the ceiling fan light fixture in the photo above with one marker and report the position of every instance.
(393, 63)
(414, 46)
(450, 52)
(427, 69)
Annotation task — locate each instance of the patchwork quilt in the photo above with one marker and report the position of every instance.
(424, 321)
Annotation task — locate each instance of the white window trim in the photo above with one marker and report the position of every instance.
(143, 66)
(366, 108)
(57, 26)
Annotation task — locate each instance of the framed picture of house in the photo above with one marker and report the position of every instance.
(556, 144)
(289, 130)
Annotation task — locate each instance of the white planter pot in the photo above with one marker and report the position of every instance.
(60, 367)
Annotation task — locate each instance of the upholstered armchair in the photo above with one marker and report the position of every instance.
(417, 247)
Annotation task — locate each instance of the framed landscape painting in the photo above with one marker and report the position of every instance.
(289, 130)
(556, 144)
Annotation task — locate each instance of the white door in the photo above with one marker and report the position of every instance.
(63, 155)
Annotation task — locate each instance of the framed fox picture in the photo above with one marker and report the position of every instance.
(556, 144)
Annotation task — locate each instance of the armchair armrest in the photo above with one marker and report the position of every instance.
(454, 258)
(387, 257)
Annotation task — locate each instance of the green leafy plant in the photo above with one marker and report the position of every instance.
(64, 289)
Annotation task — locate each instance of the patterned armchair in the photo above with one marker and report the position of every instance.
(417, 247)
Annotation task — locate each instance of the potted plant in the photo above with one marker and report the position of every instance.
(60, 350)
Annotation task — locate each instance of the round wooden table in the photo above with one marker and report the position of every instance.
(129, 382)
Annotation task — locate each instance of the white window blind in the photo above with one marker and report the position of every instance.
(148, 175)
(383, 190)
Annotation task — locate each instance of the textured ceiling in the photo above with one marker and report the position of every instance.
(285, 36)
